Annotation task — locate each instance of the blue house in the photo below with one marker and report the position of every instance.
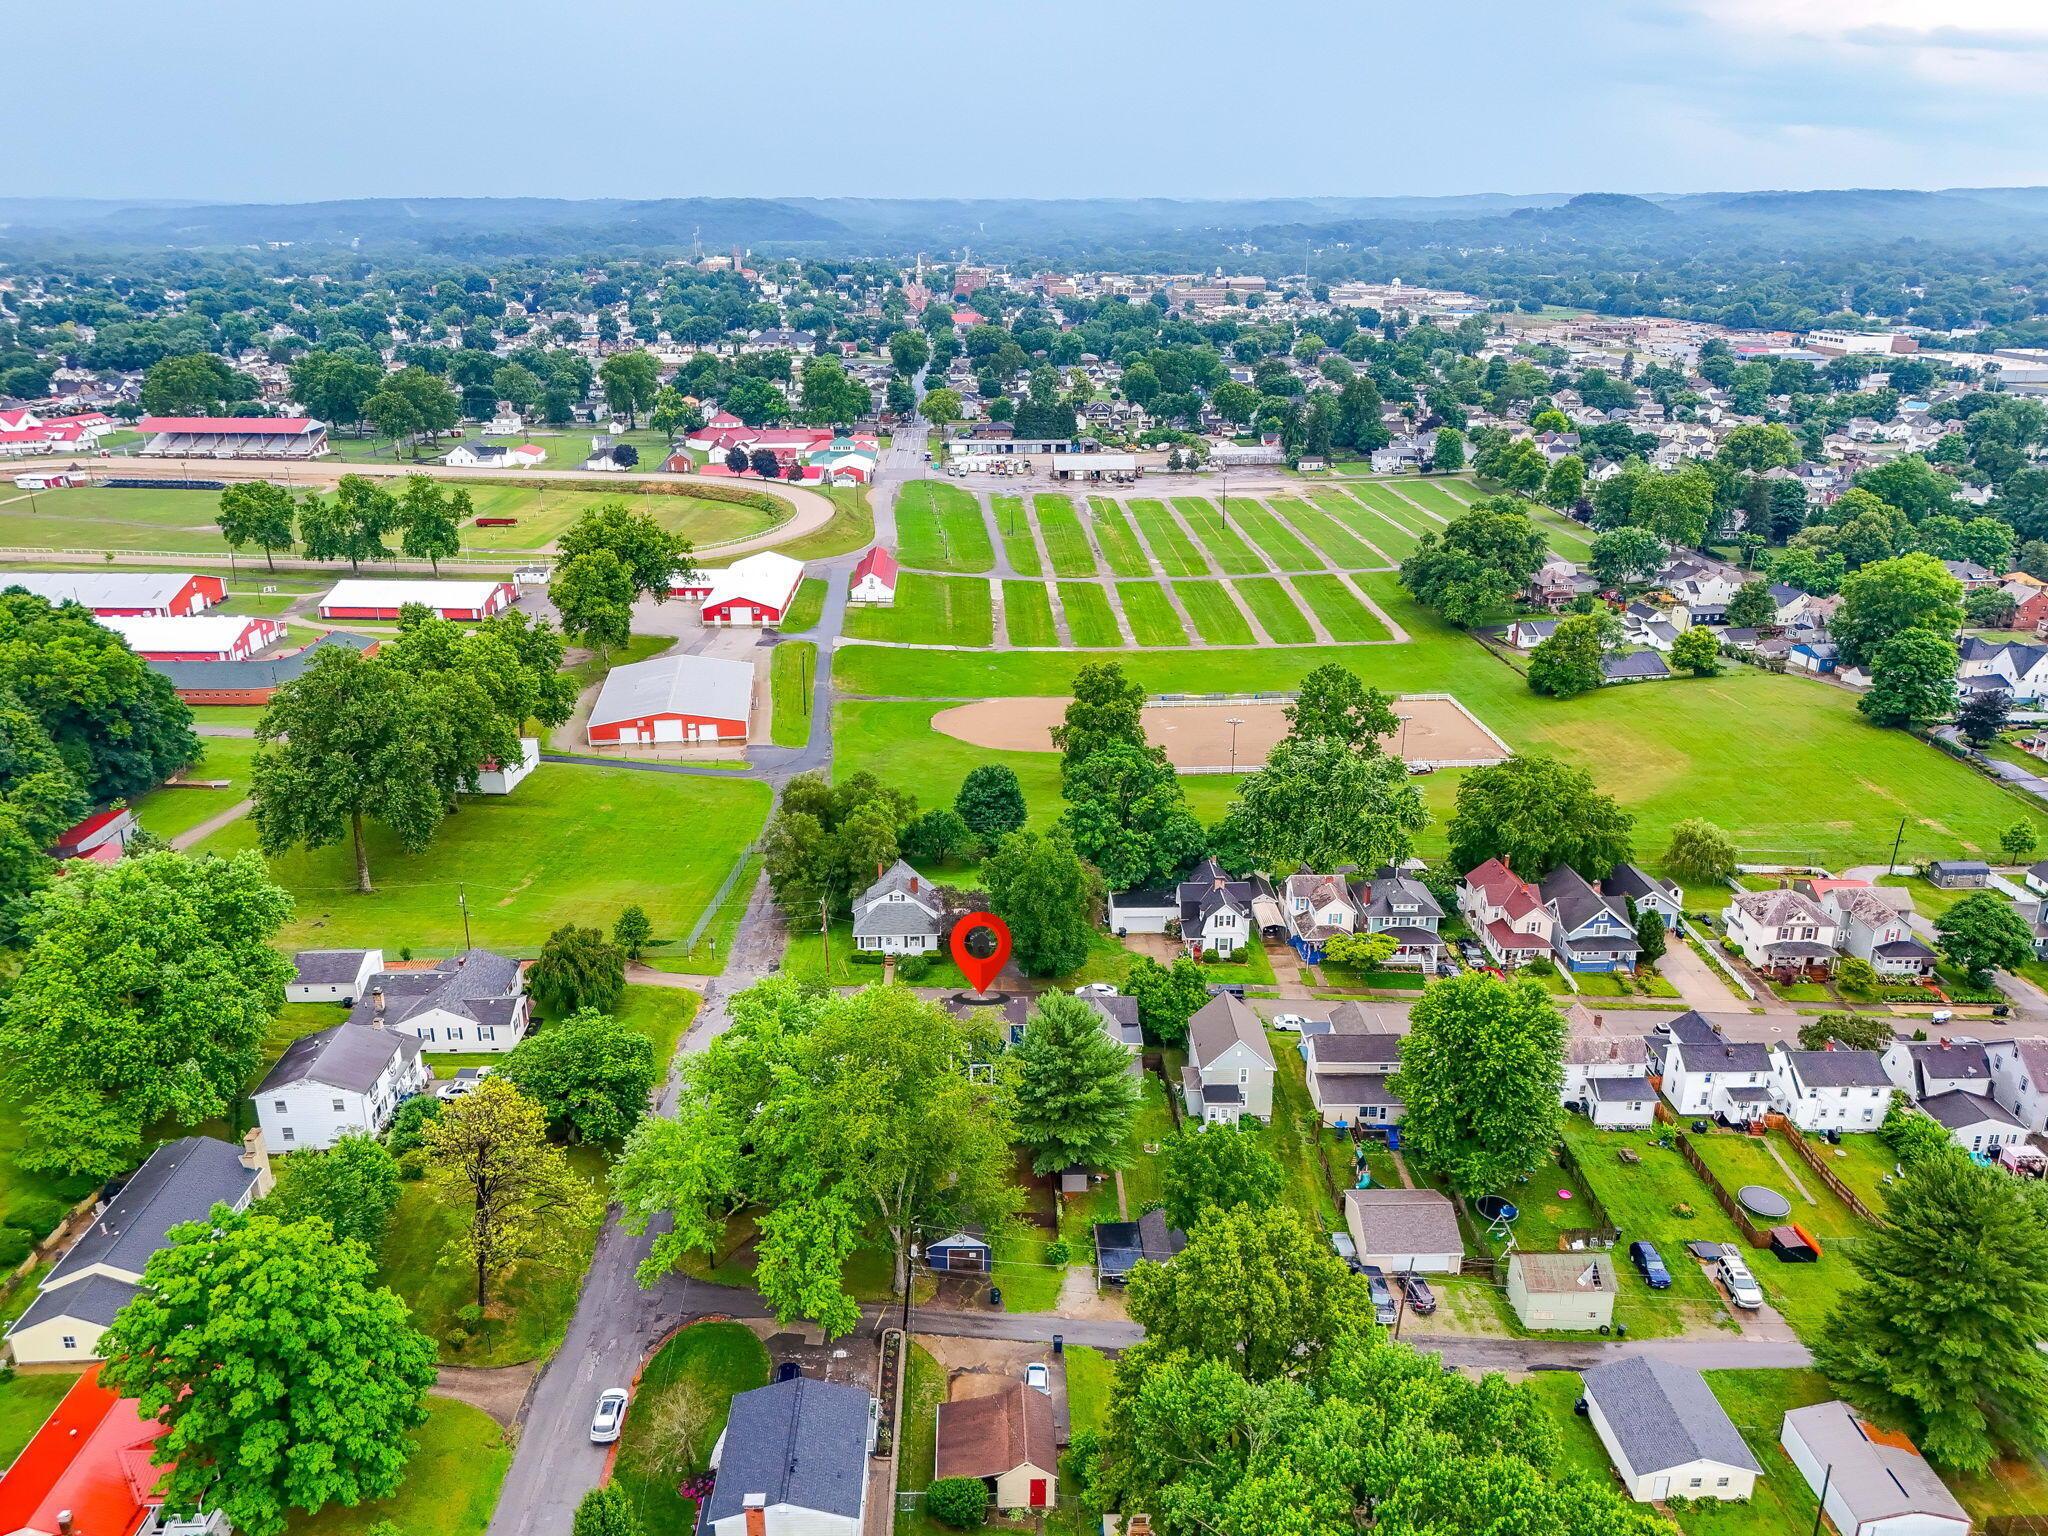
(1593, 931)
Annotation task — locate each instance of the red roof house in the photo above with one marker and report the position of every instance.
(110, 828)
(1508, 913)
(874, 579)
(90, 1464)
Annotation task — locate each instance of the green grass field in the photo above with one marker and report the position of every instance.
(25, 1401)
(1170, 545)
(1805, 1293)
(677, 1415)
(1429, 497)
(1119, 545)
(940, 527)
(929, 610)
(1343, 547)
(1013, 522)
(1226, 547)
(1281, 544)
(550, 853)
(1090, 620)
(1150, 612)
(924, 1388)
(167, 812)
(1392, 509)
(851, 527)
(791, 669)
(1027, 614)
(1337, 605)
(1215, 616)
(1066, 543)
(451, 1485)
(1275, 611)
(806, 608)
(1381, 533)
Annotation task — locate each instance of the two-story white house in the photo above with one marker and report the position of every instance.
(1920, 1069)
(348, 1078)
(1318, 908)
(332, 975)
(1869, 927)
(2019, 1080)
(1606, 1072)
(1832, 1090)
(474, 1001)
(1216, 910)
(1783, 933)
(1508, 914)
(1229, 1071)
(1706, 1073)
(900, 914)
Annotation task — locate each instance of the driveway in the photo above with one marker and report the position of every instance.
(1696, 982)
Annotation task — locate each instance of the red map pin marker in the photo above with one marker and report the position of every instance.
(981, 969)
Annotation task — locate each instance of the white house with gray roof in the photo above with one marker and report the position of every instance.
(792, 1461)
(474, 1001)
(1975, 1124)
(1606, 1071)
(900, 914)
(1922, 1068)
(1229, 1072)
(1782, 932)
(181, 1181)
(1839, 1089)
(2019, 1080)
(1666, 1433)
(1875, 1480)
(332, 975)
(1706, 1073)
(348, 1078)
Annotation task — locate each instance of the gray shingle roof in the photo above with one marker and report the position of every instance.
(1412, 1221)
(1958, 1108)
(1621, 1090)
(325, 967)
(1222, 1022)
(347, 1056)
(801, 1442)
(1840, 1068)
(259, 672)
(456, 984)
(95, 1299)
(1717, 1054)
(181, 1181)
(1664, 1415)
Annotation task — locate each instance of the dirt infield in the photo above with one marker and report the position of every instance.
(1197, 737)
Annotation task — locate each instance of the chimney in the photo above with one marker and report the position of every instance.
(1138, 1525)
(256, 1157)
(377, 1002)
(756, 1507)
(913, 885)
(1599, 1022)
(879, 870)
(64, 1522)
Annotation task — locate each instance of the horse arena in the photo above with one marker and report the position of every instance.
(1437, 731)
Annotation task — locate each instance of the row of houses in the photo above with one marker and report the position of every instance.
(1579, 924)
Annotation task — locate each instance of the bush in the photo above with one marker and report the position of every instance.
(456, 1339)
(1059, 1251)
(1682, 1211)
(866, 957)
(39, 1214)
(1541, 965)
(15, 1245)
(409, 1123)
(913, 968)
(961, 1502)
(469, 1316)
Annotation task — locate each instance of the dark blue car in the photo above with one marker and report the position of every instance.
(1650, 1263)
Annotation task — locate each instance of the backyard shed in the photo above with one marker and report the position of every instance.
(1878, 1482)
(1402, 1231)
(1562, 1290)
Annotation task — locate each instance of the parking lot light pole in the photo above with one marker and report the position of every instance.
(1234, 722)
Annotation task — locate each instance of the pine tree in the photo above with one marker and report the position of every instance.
(1071, 1089)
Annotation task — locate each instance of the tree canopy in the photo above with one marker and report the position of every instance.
(1072, 1095)
(1534, 813)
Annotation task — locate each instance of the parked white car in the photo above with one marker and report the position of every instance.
(610, 1417)
(1293, 1023)
(1038, 1378)
(1740, 1283)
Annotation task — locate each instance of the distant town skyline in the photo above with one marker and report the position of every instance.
(627, 98)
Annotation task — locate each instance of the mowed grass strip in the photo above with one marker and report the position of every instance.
(1150, 612)
(1066, 542)
(1402, 514)
(1216, 617)
(1436, 500)
(1014, 524)
(1233, 556)
(1343, 615)
(1276, 538)
(1564, 536)
(1089, 619)
(1120, 546)
(1370, 524)
(1174, 550)
(791, 668)
(929, 610)
(1344, 548)
(1274, 610)
(939, 527)
(806, 608)
(1027, 614)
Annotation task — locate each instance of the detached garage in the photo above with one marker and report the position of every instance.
(674, 698)
(372, 598)
(211, 637)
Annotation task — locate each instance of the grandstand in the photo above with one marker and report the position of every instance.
(233, 437)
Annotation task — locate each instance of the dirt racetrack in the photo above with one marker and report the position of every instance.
(1197, 737)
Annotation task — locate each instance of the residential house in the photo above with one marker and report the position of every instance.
(89, 1471)
(1959, 874)
(1619, 667)
(1921, 1069)
(1119, 1017)
(1838, 1089)
(1593, 930)
(1006, 1439)
(1401, 907)
(1121, 1246)
(1700, 588)
(900, 914)
(1556, 582)
(474, 1001)
(1349, 1067)
(1666, 1433)
(2036, 878)
(1782, 933)
(100, 1273)
(792, 1460)
(1976, 1124)
(1706, 1073)
(1606, 1072)
(1507, 913)
(1229, 1071)
(1871, 1481)
(495, 456)
(1318, 908)
(1216, 910)
(1646, 624)
(332, 975)
(2003, 666)
(1572, 1291)
(1527, 634)
(1404, 1231)
(1792, 603)
(343, 1080)
(1871, 928)
(2019, 1080)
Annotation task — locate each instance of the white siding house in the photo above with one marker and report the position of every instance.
(348, 1078)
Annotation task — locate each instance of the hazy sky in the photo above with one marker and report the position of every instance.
(262, 101)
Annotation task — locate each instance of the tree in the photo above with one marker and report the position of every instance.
(487, 1156)
(830, 398)
(1038, 885)
(339, 746)
(243, 1298)
(959, 1502)
(632, 931)
(257, 512)
(759, 403)
(1448, 456)
(1981, 934)
(1167, 997)
(593, 596)
(194, 384)
(939, 836)
(765, 463)
(1106, 708)
(1650, 936)
(145, 994)
(1480, 1073)
(2017, 843)
(352, 1186)
(607, 1510)
(430, 519)
(1072, 1097)
(909, 351)
(1857, 976)
(1566, 482)
(1127, 814)
(1981, 716)
(1626, 557)
(991, 801)
(1752, 606)
(1478, 564)
(736, 459)
(1912, 680)
(351, 524)
(1700, 852)
(839, 1119)
(654, 559)
(1697, 651)
(1989, 608)
(1857, 1031)
(1534, 813)
(1516, 464)
(578, 968)
(1912, 1135)
(1334, 703)
(1888, 598)
(1321, 804)
(1954, 1362)
(394, 416)
(1219, 1168)
(1571, 661)
(590, 1073)
(940, 406)
(629, 380)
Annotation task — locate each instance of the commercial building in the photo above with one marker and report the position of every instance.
(674, 698)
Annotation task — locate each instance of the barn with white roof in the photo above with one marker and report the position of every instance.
(205, 637)
(173, 594)
(674, 698)
(380, 598)
(756, 589)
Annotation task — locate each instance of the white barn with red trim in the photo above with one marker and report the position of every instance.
(756, 589)
(209, 637)
(874, 579)
(376, 598)
(232, 437)
(174, 594)
(674, 698)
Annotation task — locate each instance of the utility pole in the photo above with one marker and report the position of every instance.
(1226, 498)
(1234, 722)
(1827, 1477)
(1893, 866)
(462, 901)
(825, 932)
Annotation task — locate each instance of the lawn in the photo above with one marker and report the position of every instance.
(805, 959)
(1170, 545)
(1215, 616)
(1295, 1135)
(1374, 531)
(1344, 548)
(852, 526)
(1090, 620)
(451, 1485)
(714, 945)
(573, 843)
(1150, 612)
(168, 812)
(1641, 1200)
(1233, 556)
(1027, 614)
(929, 610)
(1013, 522)
(791, 670)
(1120, 546)
(1394, 509)
(678, 1412)
(924, 1388)
(1020, 1270)
(1864, 1163)
(1281, 543)
(1066, 542)
(25, 1401)
(940, 527)
(806, 608)
(1275, 611)
(1337, 605)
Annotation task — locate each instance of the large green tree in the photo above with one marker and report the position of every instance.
(1478, 565)
(1326, 805)
(1334, 702)
(145, 994)
(286, 1379)
(1128, 815)
(1700, 852)
(1217, 1168)
(1167, 996)
(1569, 662)
(1884, 600)
(653, 557)
(257, 512)
(593, 594)
(430, 518)
(1534, 813)
(1050, 898)
(352, 1186)
(1912, 680)
(1981, 934)
(991, 801)
(1072, 1096)
(591, 1074)
(577, 968)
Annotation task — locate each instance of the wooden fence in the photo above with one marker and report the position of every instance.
(1719, 1191)
(1822, 1171)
